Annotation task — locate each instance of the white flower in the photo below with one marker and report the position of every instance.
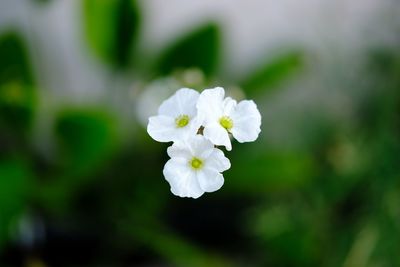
(223, 116)
(176, 117)
(149, 98)
(195, 167)
(197, 123)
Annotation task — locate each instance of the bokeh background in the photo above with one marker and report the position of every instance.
(81, 181)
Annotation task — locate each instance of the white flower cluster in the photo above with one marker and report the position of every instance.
(197, 124)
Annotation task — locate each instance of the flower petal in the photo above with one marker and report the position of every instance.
(179, 149)
(183, 102)
(246, 121)
(200, 146)
(192, 127)
(209, 105)
(218, 161)
(182, 179)
(210, 180)
(162, 128)
(229, 105)
(217, 135)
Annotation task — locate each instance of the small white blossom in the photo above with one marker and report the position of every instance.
(149, 98)
(176, 117)
(195, 167)
(197, 123)
(223, 116)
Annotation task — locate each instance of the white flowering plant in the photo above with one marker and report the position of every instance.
(198, 124)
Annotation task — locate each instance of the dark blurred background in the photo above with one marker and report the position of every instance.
(81, 181)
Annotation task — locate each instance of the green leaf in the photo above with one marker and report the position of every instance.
(200, 48)
(14, 63)
(14, 185)
(16, 108)
(111, 28)
(260, 171)
(16, 86)
(271, 73)
(86, 138)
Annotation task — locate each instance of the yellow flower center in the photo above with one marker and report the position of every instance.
(226, 122)
(196, 163)
(182, 121)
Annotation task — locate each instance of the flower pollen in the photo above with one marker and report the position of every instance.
(196, 163)
(182, 120)
(226, 122)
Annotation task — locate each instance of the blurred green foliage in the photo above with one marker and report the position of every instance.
(15, 183)
(269, 74)
(101, 199)
(200, 48)
(111, 28)
(85, 139)
(16, 86)
(15, 63)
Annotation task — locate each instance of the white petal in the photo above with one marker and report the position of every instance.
(200, 146)
(189, 130)
(179, 149)
(209, 105)
(217, 161)
(193, 127)
(162, 128)
(183, 102)
(229, 105)
(246, 121)
(182, 179)
(210, 180)
(217, 135)
(150, 98)
(194, 146)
